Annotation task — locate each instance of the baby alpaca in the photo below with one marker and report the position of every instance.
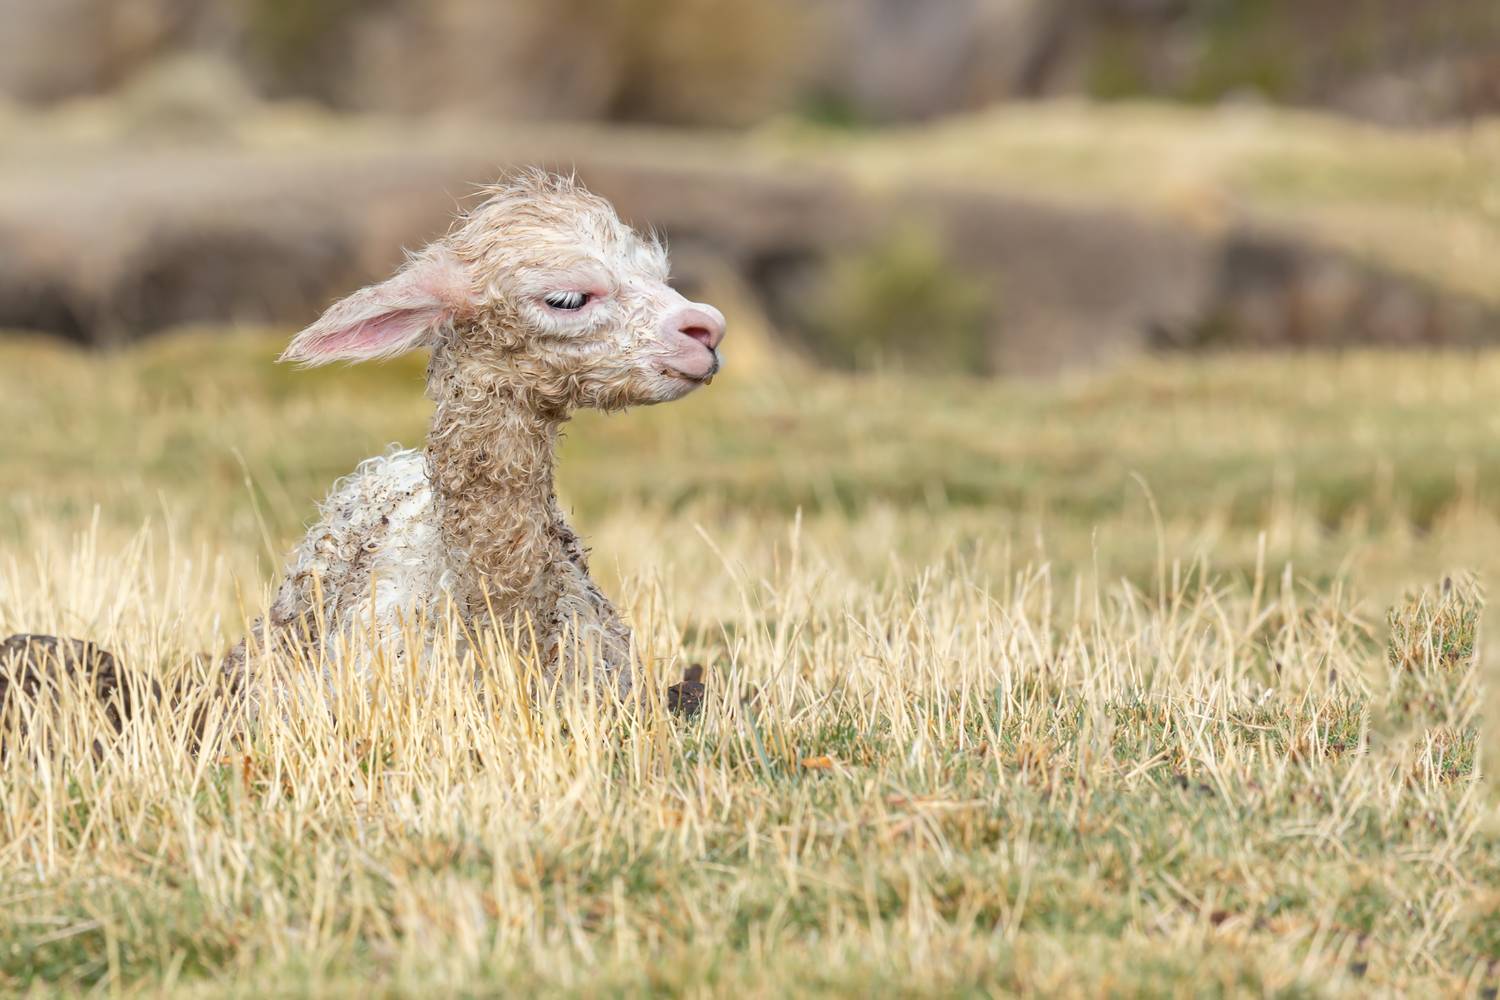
(539, 301)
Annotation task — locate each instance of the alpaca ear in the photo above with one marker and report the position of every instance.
(391, 318)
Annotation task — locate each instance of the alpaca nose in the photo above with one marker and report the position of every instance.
(702, 323)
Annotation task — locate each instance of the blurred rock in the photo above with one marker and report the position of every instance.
(47, 52)
(52, 49)
(1438, 90)
(520, 59)
(895, 60)
(676, 61)
(1391, 61)
(1273, 291)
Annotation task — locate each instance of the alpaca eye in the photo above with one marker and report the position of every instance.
(567, 300)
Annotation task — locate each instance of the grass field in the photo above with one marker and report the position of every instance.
(1157, 681)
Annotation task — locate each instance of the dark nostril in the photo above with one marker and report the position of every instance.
(701, 334)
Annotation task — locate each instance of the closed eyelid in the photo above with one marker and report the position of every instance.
(592, 287)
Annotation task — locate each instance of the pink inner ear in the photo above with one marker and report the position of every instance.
(382, 334)
(388, 319)
(396, 327)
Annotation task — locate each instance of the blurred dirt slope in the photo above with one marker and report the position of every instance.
(120, 218)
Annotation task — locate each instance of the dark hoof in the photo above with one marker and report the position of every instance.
(686, 698)
(31, 665)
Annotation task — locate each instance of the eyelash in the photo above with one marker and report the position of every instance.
(567, 301)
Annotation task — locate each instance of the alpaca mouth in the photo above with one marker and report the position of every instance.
(705, 379)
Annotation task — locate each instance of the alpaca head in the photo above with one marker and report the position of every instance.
(544, 286)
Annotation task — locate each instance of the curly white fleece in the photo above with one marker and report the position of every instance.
(376, 555)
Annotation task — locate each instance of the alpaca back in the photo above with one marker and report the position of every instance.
(373, 559)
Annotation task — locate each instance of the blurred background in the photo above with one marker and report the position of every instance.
(992, 186)
(985, 261)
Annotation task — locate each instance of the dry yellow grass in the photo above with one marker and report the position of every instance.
(989, 713)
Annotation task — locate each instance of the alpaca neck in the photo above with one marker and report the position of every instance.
(490, 456)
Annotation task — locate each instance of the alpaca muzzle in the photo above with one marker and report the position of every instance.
(693, 333)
